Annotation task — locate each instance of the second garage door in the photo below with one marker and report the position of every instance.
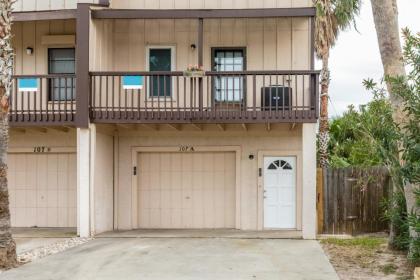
(186, 190)
(42, 190)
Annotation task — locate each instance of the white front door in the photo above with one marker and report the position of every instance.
(280, 192)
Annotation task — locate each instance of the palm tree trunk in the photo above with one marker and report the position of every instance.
(385, 14)
(323, 122)
(7, 244)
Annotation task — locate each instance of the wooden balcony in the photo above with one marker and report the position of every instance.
(43, 100)
(215, 97)
(168, 97)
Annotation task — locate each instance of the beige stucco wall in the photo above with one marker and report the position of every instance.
(207, 4)
(103, 183)
(281, 140)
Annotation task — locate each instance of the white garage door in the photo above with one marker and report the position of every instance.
(186, 190)
(42, 190)
(280, 192)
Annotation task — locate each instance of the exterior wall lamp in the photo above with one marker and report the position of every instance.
(29, 50)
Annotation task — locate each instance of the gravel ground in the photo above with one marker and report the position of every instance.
(51, 249)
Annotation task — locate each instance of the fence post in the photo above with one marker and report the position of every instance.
(320, 199)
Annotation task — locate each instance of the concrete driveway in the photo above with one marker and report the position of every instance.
(182, 258)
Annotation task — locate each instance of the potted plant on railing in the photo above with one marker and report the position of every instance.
(194, 71)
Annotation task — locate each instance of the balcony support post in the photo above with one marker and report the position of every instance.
(200, 60)
(82, 65)
(309, 181)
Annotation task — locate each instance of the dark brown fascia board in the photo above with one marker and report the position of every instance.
(44, 15)
(202, 13)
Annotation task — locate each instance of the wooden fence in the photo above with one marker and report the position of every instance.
(349, 200)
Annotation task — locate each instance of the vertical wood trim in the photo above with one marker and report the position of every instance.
(82, 65)
(116, 179)
(312, 38)
(320, 199)
(200, 41)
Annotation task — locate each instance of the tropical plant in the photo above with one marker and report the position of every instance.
(331, 17)
(7, 244)
(404, 164)
(356, 137)
(385, 14)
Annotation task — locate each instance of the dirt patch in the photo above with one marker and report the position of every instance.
(366, 258)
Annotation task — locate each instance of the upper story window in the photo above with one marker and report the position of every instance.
(229, 88)
(62, 61)
(160, 59)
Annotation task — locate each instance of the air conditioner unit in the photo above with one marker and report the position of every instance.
(276, 97)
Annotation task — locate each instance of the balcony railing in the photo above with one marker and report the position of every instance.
(43, 99)
(168, 97)
(215, 97)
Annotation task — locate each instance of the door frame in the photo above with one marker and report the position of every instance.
(299, 190)
(178, 149)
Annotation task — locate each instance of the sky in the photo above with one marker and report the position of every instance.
(356, 56)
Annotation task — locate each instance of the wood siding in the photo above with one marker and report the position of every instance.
(46, 5)
(272, 44)
(30, 34)
(207, 4)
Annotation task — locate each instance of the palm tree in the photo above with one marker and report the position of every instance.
(385, 15)
(7, 244)
(332, 16)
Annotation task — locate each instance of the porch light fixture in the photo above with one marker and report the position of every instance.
(29, 51)
(193, 47)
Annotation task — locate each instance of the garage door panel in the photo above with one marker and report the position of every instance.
(20, 179)
(52, 218)
(176, 219)
(155, 199)
(144, 218)
(52, 163)
(42, 193)
(189, 193)
(166, 216)
(30, 216)
(155, 220)
(63, 216)
(42, 198)
(42, 219)
(30, 198)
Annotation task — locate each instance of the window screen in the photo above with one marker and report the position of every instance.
(229, 88)
(160, 60)
(62, 61)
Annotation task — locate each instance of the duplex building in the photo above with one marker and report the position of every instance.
(164, 114)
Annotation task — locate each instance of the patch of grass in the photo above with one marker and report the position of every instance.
(370, 243)
(388, 268)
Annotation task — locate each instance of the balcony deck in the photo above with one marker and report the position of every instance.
(170, 98)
